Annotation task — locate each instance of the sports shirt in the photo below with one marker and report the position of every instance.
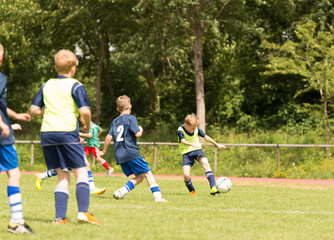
(189, 137)
(94, 140)
(3, 111)
(123, 130)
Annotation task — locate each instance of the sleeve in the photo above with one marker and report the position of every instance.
(180, 135)
(200, 132)
(38, 100)
(111, 130)
(134, 128)
(79, 95)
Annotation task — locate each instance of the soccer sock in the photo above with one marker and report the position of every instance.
(82, 193)
(47, 174)
(61, 199)
(127, 187)
(189, 185)
(15, 204)
(91, 181)
(209, 175)
(105, 164)
(156, 191)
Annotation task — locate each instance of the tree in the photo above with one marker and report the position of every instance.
(309, 53)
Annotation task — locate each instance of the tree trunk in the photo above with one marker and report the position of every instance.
(150, 81)
(98, 80)
(199, 79)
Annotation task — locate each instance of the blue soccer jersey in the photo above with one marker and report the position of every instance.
(123, 130)
(3, 111)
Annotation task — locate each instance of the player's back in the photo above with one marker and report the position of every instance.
(123, 130)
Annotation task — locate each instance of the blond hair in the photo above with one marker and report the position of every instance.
(191, 120)
(123, 103)
(1, 49)
(65, 60)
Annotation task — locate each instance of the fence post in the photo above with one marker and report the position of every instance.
(32, 153)
(215, 164)
(277, 151)
(154, 155)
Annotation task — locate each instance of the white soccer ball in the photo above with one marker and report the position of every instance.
(223, 184)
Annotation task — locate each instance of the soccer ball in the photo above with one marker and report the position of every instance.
(223, 184)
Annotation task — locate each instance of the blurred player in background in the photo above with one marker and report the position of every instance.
(125, 131)
(191, 150)
(60, 101)
(93, 144)
(9, 162)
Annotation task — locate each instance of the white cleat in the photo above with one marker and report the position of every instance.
(118, 195)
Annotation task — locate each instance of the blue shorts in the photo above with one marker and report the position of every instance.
(136, 167)
(64, 156)
(8, 158)
(190, 157)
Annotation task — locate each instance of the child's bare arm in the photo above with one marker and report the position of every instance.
(209, 139)
(140, 133)
(4, 128)
(106, 145)
(195, 145)
(85, 135)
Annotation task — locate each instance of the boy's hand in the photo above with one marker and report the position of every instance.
(16, 126)
(23, 116)
(101, 153)
(196, 145)
(5, 130)
(140, 128)
(221, 146)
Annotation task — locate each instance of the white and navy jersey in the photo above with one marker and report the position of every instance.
(3, 111)
(123, 130)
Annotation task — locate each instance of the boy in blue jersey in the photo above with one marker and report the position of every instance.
(191, 150)
(125, 131)
(60, 101)
(9, 162)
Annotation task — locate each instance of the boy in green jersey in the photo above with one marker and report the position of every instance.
(93, 144)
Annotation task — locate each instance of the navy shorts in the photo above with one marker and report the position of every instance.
(136, 167)
(64, 156)
(190, 157)
(8, 158)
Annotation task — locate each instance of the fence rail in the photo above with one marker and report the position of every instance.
(155, 144)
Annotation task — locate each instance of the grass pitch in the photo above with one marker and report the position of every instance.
(248, 211)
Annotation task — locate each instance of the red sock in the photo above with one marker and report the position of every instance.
(105, 165)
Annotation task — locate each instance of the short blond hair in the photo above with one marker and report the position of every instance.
(191, 120)
(123, 103)
(65, 60)
(1, 49)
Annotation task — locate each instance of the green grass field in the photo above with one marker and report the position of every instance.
(249, 211)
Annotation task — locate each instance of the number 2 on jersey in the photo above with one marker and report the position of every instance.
(120, 130)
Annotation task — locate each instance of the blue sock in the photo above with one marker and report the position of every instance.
(156, 191)
(82, 193)
(209, 175)
(61, 199)
(15, 203)
(129, 185)
(189, 185)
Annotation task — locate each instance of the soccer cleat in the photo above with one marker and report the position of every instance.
(214, 191)
(98, 191)
(110, 171)
(86, 217)
(160, 200)
(193, 193)
(118, 195)
(19, 228)
(38, 182)
(59, 220)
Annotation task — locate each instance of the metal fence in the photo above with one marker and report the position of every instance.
(155, 144)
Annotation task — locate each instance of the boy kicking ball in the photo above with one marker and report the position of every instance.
(191, 150)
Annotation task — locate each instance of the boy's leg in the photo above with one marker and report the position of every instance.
(120, 193)
(209, 175)
(187, 179)
(102, 161)
(61, 195)
(154, 187)
(82, 194)
(40, 177)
